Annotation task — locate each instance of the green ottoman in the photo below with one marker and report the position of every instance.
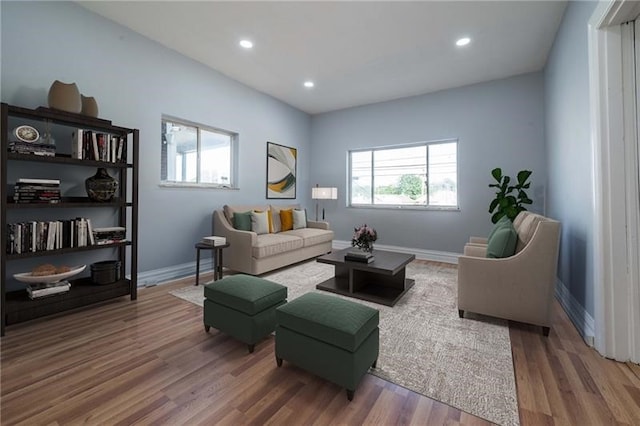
(243, 306)
(331, 337)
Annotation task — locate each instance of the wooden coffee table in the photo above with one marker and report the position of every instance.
(381, 281)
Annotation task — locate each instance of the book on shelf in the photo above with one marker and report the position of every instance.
(33, 236)
(109, 235)
(42, 149)
(37, 290)
(214, 240)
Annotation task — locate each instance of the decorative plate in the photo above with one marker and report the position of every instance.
(26, 277)
(26, 133)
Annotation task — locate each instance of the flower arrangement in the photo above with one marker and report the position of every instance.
(363, 237)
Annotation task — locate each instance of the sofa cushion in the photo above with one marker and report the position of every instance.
(503, 242)
(286, 219)
(311, 236)
(276, 224)
(271, 244)
(242, 221)
(527, 228)
(230, 210)
(503, 221)
(299, 219)
(260, 222)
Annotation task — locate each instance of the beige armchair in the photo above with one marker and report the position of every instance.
(520, 287)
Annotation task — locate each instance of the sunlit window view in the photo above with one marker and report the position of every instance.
(193, 154)
(416, 175)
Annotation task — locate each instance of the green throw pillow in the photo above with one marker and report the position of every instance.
(242, 221)
(503, 242)
(503, 221)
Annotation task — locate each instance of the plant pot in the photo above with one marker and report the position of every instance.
(65, 97)
(101, 187)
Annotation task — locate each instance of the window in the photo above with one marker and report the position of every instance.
(421, 175)
(196, 154)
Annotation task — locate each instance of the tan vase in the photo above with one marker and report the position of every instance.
(65, 97)
(89, 106)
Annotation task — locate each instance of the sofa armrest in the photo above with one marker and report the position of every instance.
(475, 250)
(318, 224)
(238, 255)
(478, 240)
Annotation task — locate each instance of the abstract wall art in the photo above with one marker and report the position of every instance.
(281, 171)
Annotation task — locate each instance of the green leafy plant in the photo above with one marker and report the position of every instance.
(506, 204)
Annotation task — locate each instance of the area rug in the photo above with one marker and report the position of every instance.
(424, 345)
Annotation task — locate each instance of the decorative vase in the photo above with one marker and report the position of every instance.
(101, 187)
(89, 106)
(65, 97)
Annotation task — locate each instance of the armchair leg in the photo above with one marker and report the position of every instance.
(545, 331)
(461, 313)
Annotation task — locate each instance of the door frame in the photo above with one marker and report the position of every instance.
(616, 247)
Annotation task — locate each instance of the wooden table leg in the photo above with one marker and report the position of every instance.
(197, 266)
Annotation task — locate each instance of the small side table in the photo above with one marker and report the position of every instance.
(217, 260)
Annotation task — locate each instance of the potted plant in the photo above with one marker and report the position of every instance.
(506, 204)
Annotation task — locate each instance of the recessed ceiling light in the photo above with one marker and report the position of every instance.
(247, 44)
(309, 84)
(463, 41)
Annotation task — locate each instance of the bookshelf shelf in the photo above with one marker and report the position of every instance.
(16, 305)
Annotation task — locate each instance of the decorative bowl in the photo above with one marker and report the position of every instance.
(27, 277)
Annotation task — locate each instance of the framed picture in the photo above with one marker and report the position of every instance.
(281, 171)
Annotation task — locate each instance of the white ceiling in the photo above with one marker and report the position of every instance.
(356, 52)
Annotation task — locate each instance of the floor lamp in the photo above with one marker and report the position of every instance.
(327, 193)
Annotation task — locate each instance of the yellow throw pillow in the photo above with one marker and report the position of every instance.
(286, 218)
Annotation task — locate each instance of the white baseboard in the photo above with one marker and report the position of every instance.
(580, 318)
(162, 275)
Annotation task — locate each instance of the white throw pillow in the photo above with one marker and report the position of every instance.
(260, 222)
(299, 219)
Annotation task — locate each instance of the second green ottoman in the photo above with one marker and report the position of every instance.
(243, 306)
(331, 337)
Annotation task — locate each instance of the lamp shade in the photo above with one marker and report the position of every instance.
(318, 193)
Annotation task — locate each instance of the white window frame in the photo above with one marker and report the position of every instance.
(427, 206)
(234, 137)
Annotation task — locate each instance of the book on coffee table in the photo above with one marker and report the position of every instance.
(359, 256)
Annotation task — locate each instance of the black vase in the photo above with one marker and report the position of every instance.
(101, 187)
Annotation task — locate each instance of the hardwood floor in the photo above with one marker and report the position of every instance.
(150, 361)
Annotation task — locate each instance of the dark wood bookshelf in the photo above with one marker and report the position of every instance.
(19, 307)
(66, 159)
(16, 306)
(68, 202)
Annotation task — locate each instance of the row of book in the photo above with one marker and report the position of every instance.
(28, 190)
(38, 290)
(90, 145)
(34, 148)
(25, 237)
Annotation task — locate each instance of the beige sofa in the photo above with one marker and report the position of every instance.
(255, 254)
(520, 287)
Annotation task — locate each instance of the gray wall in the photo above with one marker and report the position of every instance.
(569, 151)
(497, 124)
(135, 81)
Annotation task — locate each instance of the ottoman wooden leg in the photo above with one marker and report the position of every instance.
(279, 361)
(206, 328)
(251, 348)
(374, 364)
(350, 394)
